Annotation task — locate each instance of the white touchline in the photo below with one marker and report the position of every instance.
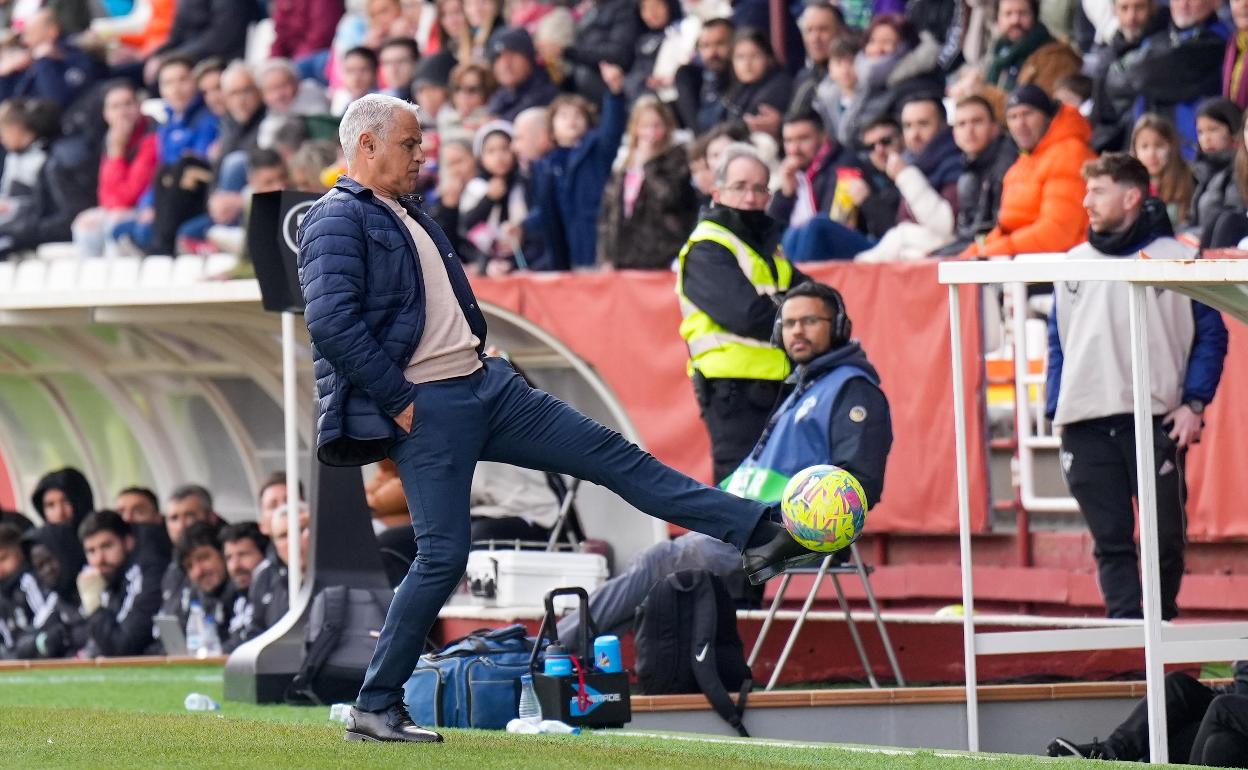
(943, 754)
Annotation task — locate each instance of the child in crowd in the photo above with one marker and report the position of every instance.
(1217, 134)
(490, 200)
(1155, 143)
(569, 181)
(26, 126)
(359, 77)
(836, 92)
(648, 207)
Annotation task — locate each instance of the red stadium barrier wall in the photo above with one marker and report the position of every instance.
(625, 325)
(1217, 506)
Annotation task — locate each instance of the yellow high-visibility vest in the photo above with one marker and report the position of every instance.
(713, 350)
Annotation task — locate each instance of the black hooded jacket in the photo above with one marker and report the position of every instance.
(860, 432)
(712, 279)
(73, 485)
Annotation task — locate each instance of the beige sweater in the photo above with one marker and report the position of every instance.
(447, 348)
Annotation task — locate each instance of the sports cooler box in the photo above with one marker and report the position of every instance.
(587, 697)
(519, 578)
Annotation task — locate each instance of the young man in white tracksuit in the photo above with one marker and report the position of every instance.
(1089, 383)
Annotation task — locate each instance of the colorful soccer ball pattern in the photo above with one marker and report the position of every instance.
(824, 508)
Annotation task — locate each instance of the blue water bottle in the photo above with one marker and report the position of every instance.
(607, 654)
(558, 661)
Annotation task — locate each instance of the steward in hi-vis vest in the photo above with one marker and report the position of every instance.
(731, 279)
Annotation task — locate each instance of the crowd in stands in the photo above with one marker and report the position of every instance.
(90, 581)
(568, 136)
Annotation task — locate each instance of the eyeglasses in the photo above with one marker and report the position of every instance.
(469, 89)
(878, 144)
(806, 322)
(741, 188)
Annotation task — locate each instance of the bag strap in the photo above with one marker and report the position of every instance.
(703, 659)
(333, 619)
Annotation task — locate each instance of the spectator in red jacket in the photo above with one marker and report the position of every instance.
(126, 169)
(303, 27)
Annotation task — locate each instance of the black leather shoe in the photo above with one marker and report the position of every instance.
(779, 553)
(393, 724)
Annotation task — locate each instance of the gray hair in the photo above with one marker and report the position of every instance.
(370, 114)
(236, 67)
(731, 153)
(277, 65)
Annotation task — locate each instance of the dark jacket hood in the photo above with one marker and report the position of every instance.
(62, 541)
(73, 485)
(849, 354)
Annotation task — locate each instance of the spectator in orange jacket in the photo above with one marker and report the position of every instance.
(1042, 194)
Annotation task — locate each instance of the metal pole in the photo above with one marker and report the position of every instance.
(964, 520)
(1147, 495)
(771, 615)
(290, 405)
(797, 625)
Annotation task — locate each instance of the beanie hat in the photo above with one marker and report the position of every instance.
(1033, 96)
(514, 39)
(1223, 111)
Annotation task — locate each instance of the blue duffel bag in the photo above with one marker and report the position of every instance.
(471, 682)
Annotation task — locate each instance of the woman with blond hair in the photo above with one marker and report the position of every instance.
(649, 205)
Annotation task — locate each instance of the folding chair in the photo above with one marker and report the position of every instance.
(826, 568)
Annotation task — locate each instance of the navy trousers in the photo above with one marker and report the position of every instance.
(494, 414)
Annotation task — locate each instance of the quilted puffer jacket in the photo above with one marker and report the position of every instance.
(365, 310)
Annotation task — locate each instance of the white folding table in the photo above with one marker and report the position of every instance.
(1222, 284)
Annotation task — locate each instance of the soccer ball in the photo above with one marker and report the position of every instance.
(824, 508)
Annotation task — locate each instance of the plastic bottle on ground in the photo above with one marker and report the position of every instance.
(197, 701)
(530, 707)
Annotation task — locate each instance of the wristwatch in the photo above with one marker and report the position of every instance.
(1196, 405)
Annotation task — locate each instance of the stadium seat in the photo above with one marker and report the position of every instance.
(156, 272)
(218, 266)
(827, 568)
(123, 272)
(187, 269)
(31, 274)
(93, 274)
(61, 250)
(62, 275)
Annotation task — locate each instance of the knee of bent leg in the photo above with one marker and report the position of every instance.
(1178, 682)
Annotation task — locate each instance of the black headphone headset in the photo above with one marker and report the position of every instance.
(842, 327)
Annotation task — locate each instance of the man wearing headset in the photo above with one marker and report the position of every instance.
(834, 414)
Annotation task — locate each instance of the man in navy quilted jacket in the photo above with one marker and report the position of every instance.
(398, 341)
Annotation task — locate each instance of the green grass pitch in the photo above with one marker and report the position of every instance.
(133, 718)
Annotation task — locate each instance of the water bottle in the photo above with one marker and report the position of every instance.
(558, 661)
(211, 643)
(530, 708)
(195, 629)
(197, 701)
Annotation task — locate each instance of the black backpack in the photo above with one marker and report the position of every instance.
(339, 644)
(687, 641)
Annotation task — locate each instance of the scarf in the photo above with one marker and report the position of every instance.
(1152, 223)
(1007, 56)
(1234, 84)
